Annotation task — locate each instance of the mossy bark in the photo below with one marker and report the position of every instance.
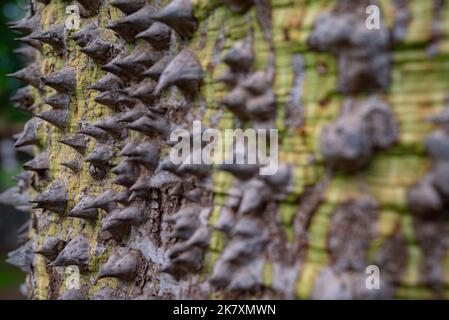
(298, 259)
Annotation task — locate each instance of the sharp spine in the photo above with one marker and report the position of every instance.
(54, 37)
(109, 99)
(155, 71)
(29, 135)
(128, 6)
(146, 154)
(31, 75)
(92, 131)
(26, 25)
(104, 200)
(24, 99)
(109, 82)
(30, 41)
(145, 93)
(183, 71)
(158, 35)
(51, 247)
(76, 252)
(84, 36)
(74, 165)
(54, 199)
(150, 125)
(179, 15)
(82, 210)
(111, 126)
(91, 7)
(58, 118)
(124, 267)
(127, 174)
(77, 142)
(40, 164)
(16, 197)
(59, 100)
(63, 80)
(100, 50)
(102, 154)
(141, 19)
(22, 257)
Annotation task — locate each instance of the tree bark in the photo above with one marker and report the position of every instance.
(361, 176)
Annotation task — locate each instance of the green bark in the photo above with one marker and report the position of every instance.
(329, 226)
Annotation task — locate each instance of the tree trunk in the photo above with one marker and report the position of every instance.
(361, 180)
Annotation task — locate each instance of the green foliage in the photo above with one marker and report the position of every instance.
(10, 277)
(9, 61)
(6, 180)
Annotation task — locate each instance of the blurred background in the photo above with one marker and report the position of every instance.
(11, 122)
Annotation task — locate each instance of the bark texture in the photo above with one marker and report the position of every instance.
(363, 149)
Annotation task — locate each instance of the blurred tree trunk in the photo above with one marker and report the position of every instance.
(114, 219)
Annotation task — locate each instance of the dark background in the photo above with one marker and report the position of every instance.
(11, 122)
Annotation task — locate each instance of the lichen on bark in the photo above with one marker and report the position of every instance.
(351, 105)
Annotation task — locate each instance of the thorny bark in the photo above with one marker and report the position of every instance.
(356, 185)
